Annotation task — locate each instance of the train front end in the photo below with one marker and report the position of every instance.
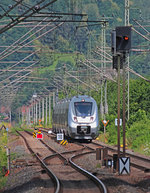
(83, 118)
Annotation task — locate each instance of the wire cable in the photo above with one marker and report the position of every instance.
(23, 16)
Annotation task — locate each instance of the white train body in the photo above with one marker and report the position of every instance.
(77, 117)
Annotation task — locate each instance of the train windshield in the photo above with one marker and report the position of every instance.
(83, 109)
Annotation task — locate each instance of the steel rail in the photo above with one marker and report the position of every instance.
(49, 172)
(55, 152)
(129, 154)
(100, 184)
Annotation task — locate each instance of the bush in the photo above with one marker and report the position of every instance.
(111, 130)
(139, 134)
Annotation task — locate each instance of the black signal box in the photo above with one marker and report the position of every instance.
(123, 38)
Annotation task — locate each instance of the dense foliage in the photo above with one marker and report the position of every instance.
(75, 41)
(138, 126)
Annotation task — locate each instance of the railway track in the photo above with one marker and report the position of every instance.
(49, 172)
(137, 161)
(66, 175)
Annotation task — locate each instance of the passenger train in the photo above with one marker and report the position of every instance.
(76, 117)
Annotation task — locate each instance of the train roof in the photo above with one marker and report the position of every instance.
(82, 98)
(86, 98)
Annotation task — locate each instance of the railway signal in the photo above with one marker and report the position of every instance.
(121, 44)
(123, 38)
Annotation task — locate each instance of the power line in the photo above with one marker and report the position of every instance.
(12, 46)
(140, 34)
(33, 39)
(23, 16)
(18, 72)
(10, 9)
(20, 61)
(137, 74)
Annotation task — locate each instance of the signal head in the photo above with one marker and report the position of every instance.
(126, 38)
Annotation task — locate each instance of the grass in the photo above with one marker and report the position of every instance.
(22, 128)
(143, 149)
(14, 129)
(98, 165)
(3, 157)
(62, 58)
(3, 181)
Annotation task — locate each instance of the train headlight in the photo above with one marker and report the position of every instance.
(91, 118)
(75, 119)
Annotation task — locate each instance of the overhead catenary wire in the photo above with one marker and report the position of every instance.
(140, 34)
(10, 9)
(15, 70)
(23, 16)
(141, 26)
(37, 38)
(90, 61)
(15, 81)
(12, 45)
(30, 42)
(33, 39)
(109, 56)
(81, 81)
(69, 84)
(97, 69)
(14, 65)
(132, 71)
(12, 62)
(20, 43)
(5, 80)
(137, 74)
(108, 59)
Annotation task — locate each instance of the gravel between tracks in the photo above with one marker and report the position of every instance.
(136, 182)
(28, 177)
